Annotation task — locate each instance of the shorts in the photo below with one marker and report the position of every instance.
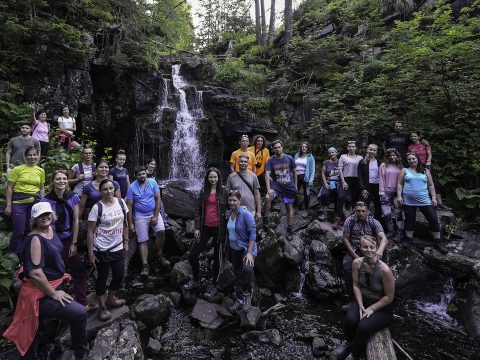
(285, 200)
(143, 223)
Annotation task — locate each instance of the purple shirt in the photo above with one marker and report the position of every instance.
(120, 176)
(65, 230)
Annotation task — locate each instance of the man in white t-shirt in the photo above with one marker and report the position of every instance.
(67, 127)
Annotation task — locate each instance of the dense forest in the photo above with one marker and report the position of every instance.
(352, 67)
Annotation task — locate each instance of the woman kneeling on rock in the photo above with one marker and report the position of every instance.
(209, 222)
(107, 243)
(41, 292)
(241, 236)
(374, 289)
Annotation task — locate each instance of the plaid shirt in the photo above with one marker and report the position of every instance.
(355, 228)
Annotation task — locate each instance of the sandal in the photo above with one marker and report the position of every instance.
(116, 303)
(104, 314)
(91, 308)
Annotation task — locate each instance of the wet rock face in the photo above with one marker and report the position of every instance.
(154, 309)
(121, 340)
(468, 304)
(181, 273)
(322, 282)
(208, 315)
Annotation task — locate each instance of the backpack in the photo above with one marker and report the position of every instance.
(81, 169)
(36, 125)
(99, 217)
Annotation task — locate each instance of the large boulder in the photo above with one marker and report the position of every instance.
(249, 316)
(209, 315)
(178, 201)
(319, 252)
(468, 304)
(181, 273)
(120, 340)
(226, 278)
(269, 264)
(294, 250)
(322, 282)
(154, 309)
(323, 231)
(270, 336)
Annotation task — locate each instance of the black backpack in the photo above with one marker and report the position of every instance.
(82, 171)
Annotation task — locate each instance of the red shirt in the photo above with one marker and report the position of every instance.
(211, 211)
(421, 150)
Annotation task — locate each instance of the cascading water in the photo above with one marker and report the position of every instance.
(187, 160)
(163, 103)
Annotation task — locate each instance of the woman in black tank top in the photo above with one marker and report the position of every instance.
(374, 289)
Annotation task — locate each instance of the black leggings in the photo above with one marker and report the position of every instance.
(198, 247)
(350, 196)
(428, 211)
(306, 192)
(109, 260)
(358, 331)
(331, 194)
(243, 273)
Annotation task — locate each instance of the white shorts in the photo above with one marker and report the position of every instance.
(143, 223)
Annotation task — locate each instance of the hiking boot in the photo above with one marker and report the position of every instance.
(323, 216)
(304, 213)
(145, 270)
(192, 284)
(337, 223)
(246, 301)
(440, 246)
(211, 292)
(163, 261)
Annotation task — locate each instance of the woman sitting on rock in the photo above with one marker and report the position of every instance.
(391, 211)
(374, 289)
(415, 189)
(91, 191)
(107, 242)
(241, 236)
(41, 292)
(209, 223)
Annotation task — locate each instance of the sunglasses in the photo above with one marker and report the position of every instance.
(233, 192)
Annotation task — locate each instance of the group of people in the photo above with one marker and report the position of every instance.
(46, 226)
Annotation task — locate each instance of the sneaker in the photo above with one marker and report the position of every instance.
(323, 216)
(440, 246)
(192, 284)
(145, 270)
(163, 261)
(443, 207)
(304, 213)
(337, 223)
(211, 292)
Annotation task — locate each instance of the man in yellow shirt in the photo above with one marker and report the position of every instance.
(259, 149)
(244, 142)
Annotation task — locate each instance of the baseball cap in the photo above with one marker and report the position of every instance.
(41, 208)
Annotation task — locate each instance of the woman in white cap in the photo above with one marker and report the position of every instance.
(41, 292)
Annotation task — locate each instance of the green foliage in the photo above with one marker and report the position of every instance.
(256, 105)
(8, 265)
(59, 159)
(470, 198)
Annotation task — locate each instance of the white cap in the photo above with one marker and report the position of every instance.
(41, 208)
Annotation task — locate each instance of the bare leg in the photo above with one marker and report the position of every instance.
(143, 252)
(160, 242)
(289, 209)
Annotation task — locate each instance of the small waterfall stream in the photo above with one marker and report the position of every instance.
(186, 158)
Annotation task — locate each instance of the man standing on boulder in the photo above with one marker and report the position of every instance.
(143, 197)
(355, 226)
(16, 147)
(281, 168)
(244, 141)
(246, 182)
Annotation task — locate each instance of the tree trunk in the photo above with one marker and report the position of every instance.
(288, 16)
(271, 28)
(380, 346)
(258, 23)
(264, 23)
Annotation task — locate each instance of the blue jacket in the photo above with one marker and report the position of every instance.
(310, 169)
(245, 229)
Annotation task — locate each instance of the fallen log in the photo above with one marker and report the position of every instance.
(380, 346)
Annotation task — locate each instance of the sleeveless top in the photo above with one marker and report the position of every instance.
(51, 261)
(415, 189)
(371, 285)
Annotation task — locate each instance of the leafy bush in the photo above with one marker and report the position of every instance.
(8, 265)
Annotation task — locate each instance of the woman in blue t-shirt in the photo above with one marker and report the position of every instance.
(415, 189)
(120, 174)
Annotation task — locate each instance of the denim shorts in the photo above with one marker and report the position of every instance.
(143, 223)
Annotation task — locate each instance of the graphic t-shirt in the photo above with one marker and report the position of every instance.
(120, 176)
(261, 158)
(143, 197)
(251, 160)
(109, 231)
(398, 141)
(282, 172)
(331, 170)
(28, 180)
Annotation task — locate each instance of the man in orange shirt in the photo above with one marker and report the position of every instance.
(259, 149)
(244, 141)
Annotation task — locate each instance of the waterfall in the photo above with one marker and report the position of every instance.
(187, 162)
(163, 102)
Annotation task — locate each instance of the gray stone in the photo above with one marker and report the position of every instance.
(154, 346)
(468, 304)
(319, 252)
(226, 278)
(269, 264)
(249, 316)
(330, 28)
(178, 201)
(157, 333)
(189, 228)
(209, 315)
(175, 297)
(294, 250)
(181, 273)
(318, 346)
(271, 336)
(322, 282)
(153, 310)
(119, 341)
(319, 230)
(190, 296)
